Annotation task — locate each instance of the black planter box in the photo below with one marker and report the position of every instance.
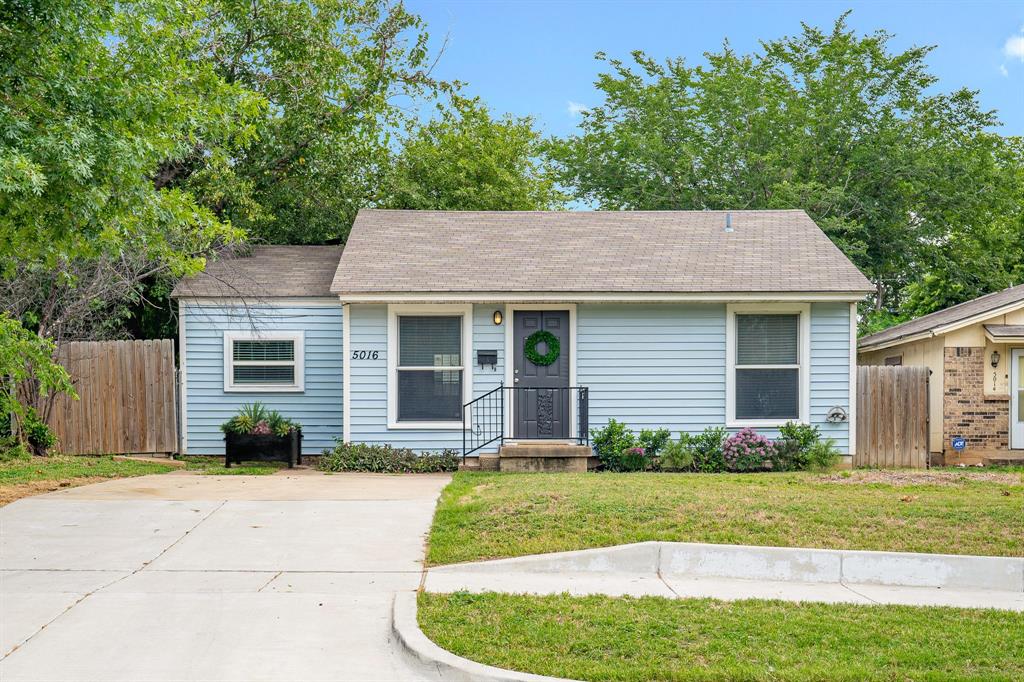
(258, 448)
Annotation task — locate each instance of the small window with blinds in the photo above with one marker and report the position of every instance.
(767, 381)
(429, 368)
(263, 363)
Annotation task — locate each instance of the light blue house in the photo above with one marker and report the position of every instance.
(464, 330)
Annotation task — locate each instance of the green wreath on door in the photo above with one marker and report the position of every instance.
(534, 340)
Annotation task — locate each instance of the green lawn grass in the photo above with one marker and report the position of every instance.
(64, 467)
(485, 515)
(215, 466)
(651, 638)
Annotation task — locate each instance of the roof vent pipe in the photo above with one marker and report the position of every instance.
(728, 222)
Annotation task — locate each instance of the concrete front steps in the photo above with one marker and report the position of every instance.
(535, 456)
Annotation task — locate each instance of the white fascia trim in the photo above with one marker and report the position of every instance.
(346, 374)
(509, 323)
(183, 383)
(464, 310)
(298, 337)
(851, 423)
(804, 310)
(595, 297)
(269, 302)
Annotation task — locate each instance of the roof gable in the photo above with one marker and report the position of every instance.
(975, 310)
(394, 252)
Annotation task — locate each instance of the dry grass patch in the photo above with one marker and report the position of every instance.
(37, 475)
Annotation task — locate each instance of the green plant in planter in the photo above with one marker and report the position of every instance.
(256, 419)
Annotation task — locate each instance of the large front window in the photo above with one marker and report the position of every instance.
(767, 369)
(429, 368)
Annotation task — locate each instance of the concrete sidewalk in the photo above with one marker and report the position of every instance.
(186, 577)
(680, 570)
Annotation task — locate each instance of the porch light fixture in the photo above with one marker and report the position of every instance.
(995, 358)
(497, 317)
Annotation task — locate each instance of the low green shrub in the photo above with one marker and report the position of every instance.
(611, 442)
(801, 448)
(384, 459)
(823, 455)
(653, 441)
(677, 455)
(13, 451)
(706, 447)
(37, 434)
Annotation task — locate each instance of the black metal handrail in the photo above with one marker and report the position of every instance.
(483, 418)
(483, 421)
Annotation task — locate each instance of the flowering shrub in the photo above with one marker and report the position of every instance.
(747, 450)
(634, 459)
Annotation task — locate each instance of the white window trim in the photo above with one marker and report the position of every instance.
(297, 337)
(804, 330)
(394, 311)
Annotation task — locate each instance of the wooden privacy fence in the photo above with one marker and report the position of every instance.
(892, 417)
(126, 403)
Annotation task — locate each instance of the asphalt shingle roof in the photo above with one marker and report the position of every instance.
(266, 272)
(1005, 331)
(941, 318)
(392, 251)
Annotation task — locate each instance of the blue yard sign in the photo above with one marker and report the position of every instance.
(959, 443)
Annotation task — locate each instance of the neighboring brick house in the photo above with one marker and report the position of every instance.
(975, 351)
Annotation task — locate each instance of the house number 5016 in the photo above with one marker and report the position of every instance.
(365, 354)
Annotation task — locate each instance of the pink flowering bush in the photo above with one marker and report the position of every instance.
(747, 450)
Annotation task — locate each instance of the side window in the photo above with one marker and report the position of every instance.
(263, 363)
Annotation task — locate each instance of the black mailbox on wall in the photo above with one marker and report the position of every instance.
(487, 357)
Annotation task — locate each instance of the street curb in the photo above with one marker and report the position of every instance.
(747, 562)
(448, 665)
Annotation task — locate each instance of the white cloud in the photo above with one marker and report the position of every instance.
(1014, 47)
(575, 108)
(1003, 71)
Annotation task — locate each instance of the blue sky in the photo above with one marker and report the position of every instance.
(536, 57)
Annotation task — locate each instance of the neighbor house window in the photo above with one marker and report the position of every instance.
(428, 379)
(767, 382)
(263, 363)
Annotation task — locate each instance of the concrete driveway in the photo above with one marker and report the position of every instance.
(188, 577)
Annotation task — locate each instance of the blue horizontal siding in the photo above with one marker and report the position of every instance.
(664, 365)
(646, 365)
(318, 408)
(653, 365)
(830, 368)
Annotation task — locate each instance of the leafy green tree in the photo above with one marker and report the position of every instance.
(468, 160)
(96, 98)
(831, 122)
(341, 78)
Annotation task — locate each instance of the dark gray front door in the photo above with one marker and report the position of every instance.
(541, 397)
